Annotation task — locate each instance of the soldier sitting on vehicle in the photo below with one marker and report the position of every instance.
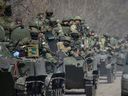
(58, 30)
(65, 26)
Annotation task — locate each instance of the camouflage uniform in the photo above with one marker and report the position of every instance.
(102, 43)
(66, 27)
(39, 21)
(58, 30)
(50, 58)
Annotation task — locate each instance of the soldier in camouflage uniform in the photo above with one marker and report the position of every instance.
(66, 26)
(76, 42)
(102, 41)
(57, 30)
(73, 28)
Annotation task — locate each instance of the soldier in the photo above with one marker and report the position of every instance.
(18, 23)
(38, 21)
(73, 29)
(58, 30)
(77, 20)
(81, 27)
(65, 26)
(48, 18)
(102, 41)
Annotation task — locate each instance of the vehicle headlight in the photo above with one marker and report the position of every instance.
(125, 76)
(16, 54)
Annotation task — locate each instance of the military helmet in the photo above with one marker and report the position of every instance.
(49, 13)
(77, 18)
(71, 18)
(39, 14)
(65, 20)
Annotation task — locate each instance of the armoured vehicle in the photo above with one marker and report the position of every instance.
(39, 78)
(6, 64)
(107, 66)
(121, 57)
(124, 80)
(36, 75)
(80, 74)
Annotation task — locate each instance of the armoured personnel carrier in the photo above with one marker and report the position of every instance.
(37, 75)
(6, 65)
(80, 74)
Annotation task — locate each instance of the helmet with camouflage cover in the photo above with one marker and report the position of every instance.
(49, 11)
(77, 18)
(70, 18)
(37, 23)
(65, 19)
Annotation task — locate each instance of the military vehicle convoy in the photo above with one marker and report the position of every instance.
(47, 63)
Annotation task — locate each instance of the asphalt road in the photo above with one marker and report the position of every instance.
(105, 89)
